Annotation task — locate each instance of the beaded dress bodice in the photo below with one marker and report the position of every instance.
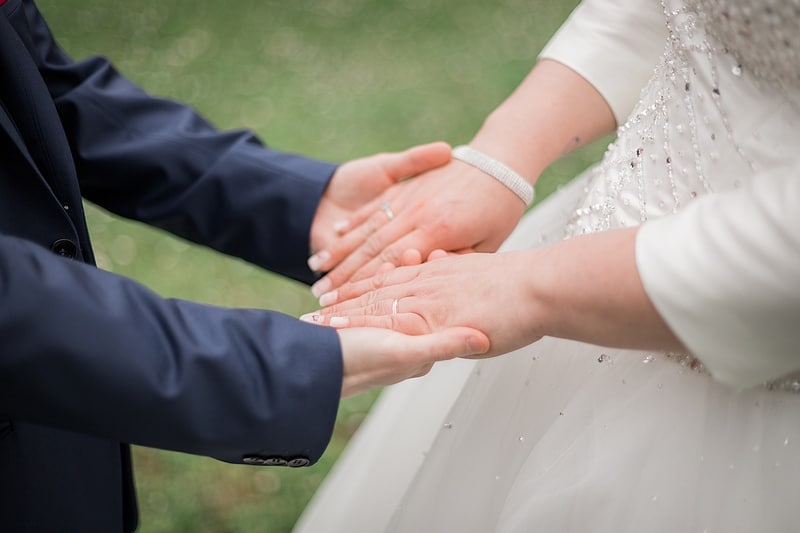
(722, 105)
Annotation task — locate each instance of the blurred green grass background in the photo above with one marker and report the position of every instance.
(332, 80)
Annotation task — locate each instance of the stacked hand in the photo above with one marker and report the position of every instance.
(376, 357)
(474, 290)
(455, 208)
(514, 298)
(361, 182)
(375, 215)
(586, 288)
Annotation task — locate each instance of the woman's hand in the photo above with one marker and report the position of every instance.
(586, 288)
(379, 357)
(481, 291)
(456, 207)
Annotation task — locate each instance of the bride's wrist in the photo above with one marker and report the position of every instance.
(504, 138)
(501, 172)
(510, 154)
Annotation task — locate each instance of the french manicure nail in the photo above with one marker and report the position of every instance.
(314, 318)
(321, 287)
(341, 226)
(339, 322)
(317, 261)
(328, 298)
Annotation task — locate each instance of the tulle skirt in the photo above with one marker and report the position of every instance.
(563, 436)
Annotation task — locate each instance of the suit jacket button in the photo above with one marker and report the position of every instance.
(65, 248)
(251, 460)
(299, 461)
(275, 461)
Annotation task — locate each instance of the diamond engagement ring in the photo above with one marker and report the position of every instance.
(394, 306)
(388, 210)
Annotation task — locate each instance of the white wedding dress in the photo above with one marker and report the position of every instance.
(562, 436)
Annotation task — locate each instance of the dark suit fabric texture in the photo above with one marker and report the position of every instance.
(91, 362)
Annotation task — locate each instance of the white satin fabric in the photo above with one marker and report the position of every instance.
(731, 289)
(563, 436)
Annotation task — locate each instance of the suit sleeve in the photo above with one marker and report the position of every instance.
(725, 276)
(614, 45)
(95, 353)
(160, 162)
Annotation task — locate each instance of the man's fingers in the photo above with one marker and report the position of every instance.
(423, 371)
(416, 160)
(374, 357)
(450, 343)
(374, 291)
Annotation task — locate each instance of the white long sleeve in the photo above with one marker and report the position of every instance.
(725, 275)
(615, 46)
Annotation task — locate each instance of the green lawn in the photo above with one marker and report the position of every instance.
(333, 80)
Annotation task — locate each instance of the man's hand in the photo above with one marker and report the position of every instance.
(360, 182)
(379, 357)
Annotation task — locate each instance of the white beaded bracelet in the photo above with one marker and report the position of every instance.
(497, 170)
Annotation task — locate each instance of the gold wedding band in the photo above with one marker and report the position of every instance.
(387, 210)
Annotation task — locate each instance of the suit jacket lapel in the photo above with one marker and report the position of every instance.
(38, 128)
(7, 125)
(6, 122)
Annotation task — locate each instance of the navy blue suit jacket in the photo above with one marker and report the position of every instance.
(90, 361)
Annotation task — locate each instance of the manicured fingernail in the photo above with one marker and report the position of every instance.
(328, 298)
(339, 322)
(341, 226)
(314, 318)
(317, 261)
(321, 287)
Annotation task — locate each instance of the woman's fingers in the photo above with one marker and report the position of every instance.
(361, 229)
(441, 254)
(365, 293)
(376, 248)
(408, 323)
(401, 313)
(410, 257)
(396, 167)
(437, 254)
(343, 227)
(372, 303)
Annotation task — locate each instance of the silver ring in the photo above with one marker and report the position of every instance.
(394, 306)
(387, 210)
